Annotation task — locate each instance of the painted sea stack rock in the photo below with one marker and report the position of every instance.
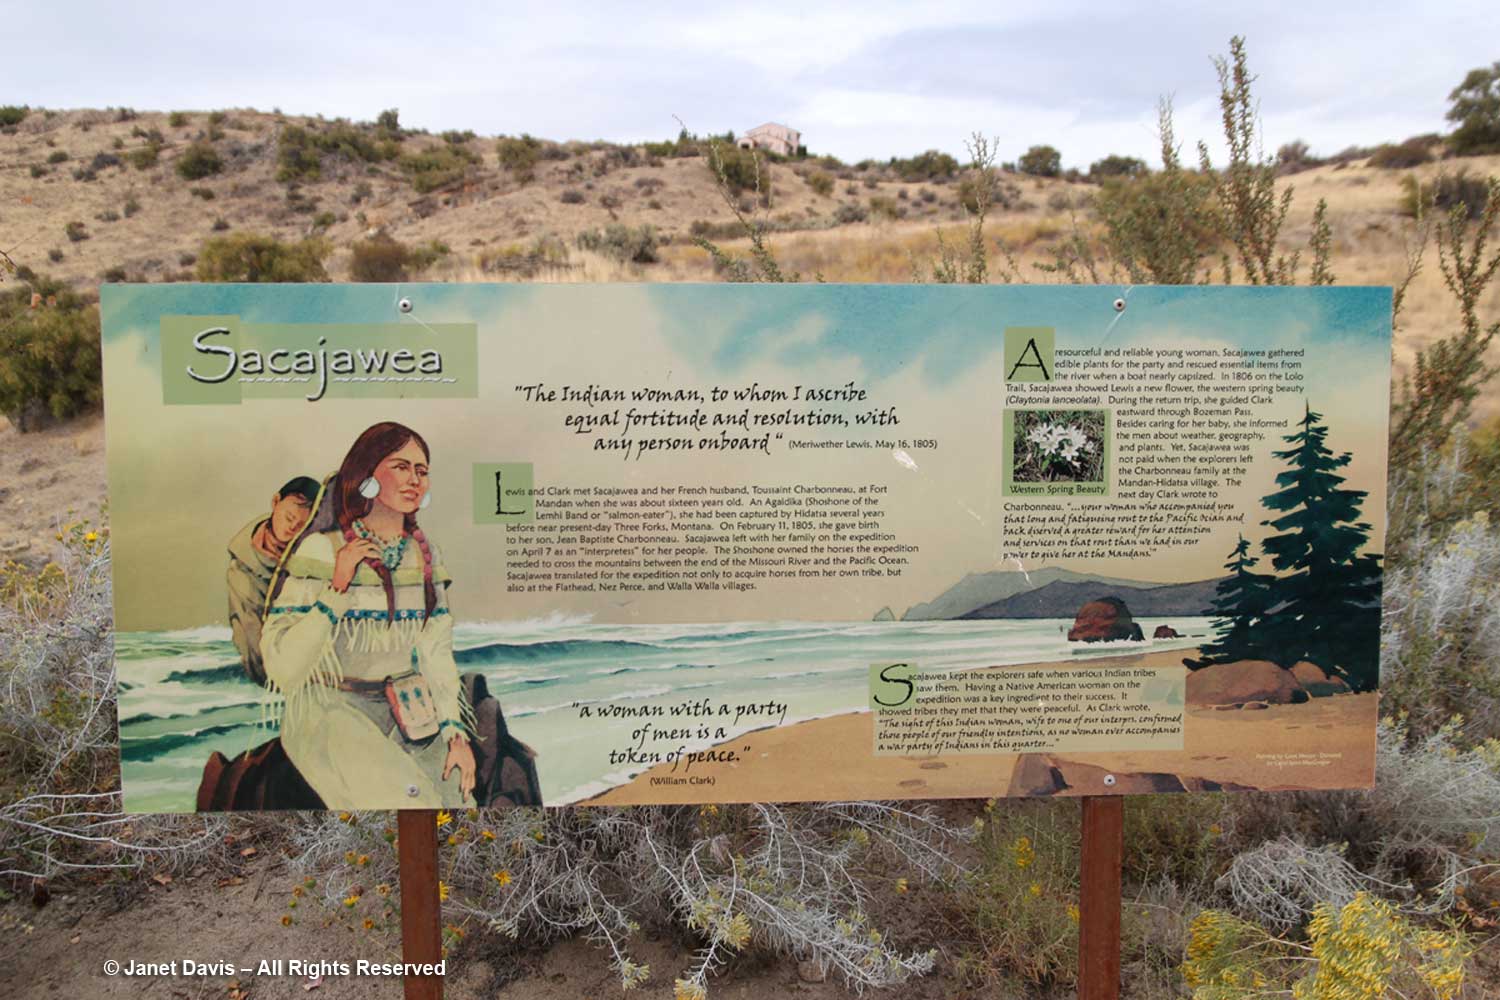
(1316, 683)
(1166, 632)
(1242, 683)
(1104, 620)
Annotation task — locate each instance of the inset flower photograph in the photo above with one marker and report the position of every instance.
(1058, 446)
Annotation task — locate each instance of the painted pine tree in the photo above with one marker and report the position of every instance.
(1240, 605)
(1328, 593)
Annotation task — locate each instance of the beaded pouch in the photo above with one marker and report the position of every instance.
(411, 702)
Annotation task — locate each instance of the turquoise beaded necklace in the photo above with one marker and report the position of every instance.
(391, 553)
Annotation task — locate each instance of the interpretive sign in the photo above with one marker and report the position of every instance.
(434, 545)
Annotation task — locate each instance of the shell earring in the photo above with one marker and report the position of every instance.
(426, 499)
(369, 488)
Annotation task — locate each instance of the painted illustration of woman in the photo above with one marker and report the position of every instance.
(358, 640)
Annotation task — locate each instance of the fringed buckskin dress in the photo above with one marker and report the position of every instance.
(326, 654)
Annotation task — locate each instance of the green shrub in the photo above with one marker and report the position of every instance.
(740, 169)
(1444, 192)
(631, 245)
(300, 151)
(388, 123)
(144, 157)
(55, 255)
(1002, 194)
(37, 170)
(850, 212)
(1160, 226)
(931, 165)
(207, 194)
(76, 232)
(437, 167)
(11, 114)
(199, 160)
(519, 155)
(252, 257)
(1411, 153)
(886, 208)
(458, 138)
(57, 156)
(132, 205)
(1040, 161)
(384, 258)
(821, 182)
(297, 155)
(1018, 925)
(49, 355)
(177, 119)
(572, 196)
(1115, 165)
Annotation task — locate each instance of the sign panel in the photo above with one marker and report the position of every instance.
(710, 543)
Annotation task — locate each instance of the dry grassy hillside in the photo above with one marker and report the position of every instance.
(147, 223)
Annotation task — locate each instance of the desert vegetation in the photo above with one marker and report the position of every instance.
(1353, 894)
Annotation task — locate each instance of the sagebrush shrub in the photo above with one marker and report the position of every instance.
(198, 161)
(383, 258)
(1399, 156)
(437, 167)
(252, 257)
(627, 244)
(49, 354)
(1445, 192)
(519, 155)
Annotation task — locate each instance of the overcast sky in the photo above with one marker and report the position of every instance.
(870, 79)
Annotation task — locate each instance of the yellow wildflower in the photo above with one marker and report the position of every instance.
(502, 878)
(1073, 912)
(362, 860)
(443, 891)
(901, 885)
(1035, 889)
(369, 924)
(444, 817)
(286, 920)
(91, 537)
(487, 834)
(383, 889)
(349, 901)
(1023, 853)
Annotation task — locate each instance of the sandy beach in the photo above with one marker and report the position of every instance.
(1323, 743)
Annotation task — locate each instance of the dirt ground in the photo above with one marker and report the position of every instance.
(234, 916)
(48, 479)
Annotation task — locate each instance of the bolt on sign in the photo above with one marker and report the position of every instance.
(712, 543)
